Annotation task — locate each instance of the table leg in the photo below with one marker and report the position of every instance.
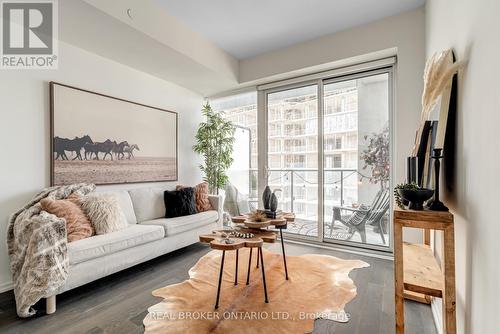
(236, 270)
(220, 279)
(449, 297)
(263, 275)
(249, 264)
(258, 252)
(284, 255)
(398, 277)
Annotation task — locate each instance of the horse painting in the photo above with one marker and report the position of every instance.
(130, 150)
(118, 150)
(61, 145)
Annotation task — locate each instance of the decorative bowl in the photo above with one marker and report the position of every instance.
(416, 197)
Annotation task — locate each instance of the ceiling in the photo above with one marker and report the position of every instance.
(246, 28)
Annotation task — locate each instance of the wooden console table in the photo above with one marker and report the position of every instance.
(417, 274)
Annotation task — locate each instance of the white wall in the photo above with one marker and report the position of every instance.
(24, 123)
(471, 29)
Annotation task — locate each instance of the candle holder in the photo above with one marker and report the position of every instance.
(436, 204)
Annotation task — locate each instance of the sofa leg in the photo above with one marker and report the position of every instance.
(50, 304)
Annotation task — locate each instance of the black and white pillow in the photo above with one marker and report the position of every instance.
(179, 202)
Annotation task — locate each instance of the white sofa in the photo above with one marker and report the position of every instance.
(147, 236)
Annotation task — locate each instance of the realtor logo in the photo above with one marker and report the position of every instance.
(29, 34)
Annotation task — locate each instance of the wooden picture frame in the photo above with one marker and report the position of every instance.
(97, 138)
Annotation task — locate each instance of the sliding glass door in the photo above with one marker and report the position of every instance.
(356, 151)
(339, 193)
(292, 128)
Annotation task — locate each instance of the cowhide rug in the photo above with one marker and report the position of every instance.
(318, 287)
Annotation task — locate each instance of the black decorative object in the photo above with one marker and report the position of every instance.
(412, 169)
(179, 202)
(266, 198)
(422, 154)
(415, 197)
(274, 203)
(272, 214)
(401, 202)
(436, 204)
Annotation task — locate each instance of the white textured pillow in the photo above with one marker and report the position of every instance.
(104, 212)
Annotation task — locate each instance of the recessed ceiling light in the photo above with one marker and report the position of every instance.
(129, 13)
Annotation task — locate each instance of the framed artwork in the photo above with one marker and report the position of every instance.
(96, 138)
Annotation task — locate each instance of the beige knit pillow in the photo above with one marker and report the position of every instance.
(78, 225)
(104, 212)
(200, 196)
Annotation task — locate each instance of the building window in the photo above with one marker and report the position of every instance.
(337, 161)
(338, 143)
(241, 109)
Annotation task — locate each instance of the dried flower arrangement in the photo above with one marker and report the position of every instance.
(257, 216)
(438, 74)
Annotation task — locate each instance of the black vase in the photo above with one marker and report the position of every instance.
(412, 170)
(436, 204)
(274, 202)
(266, 198)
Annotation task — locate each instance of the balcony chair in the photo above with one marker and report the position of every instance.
(358, 218)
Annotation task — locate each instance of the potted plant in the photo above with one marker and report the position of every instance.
(214, 140)
(411, 195)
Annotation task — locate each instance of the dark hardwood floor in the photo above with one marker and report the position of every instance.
(118, 303)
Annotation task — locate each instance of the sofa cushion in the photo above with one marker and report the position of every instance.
(178, 225)
(78, 225)
(105, 244)
(179, 202)
(104, 212)
(148, 203)
(200, 195)
(125, 204)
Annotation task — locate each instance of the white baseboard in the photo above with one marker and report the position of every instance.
(437, 314)
(6, 286)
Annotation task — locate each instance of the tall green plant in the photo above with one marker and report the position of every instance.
(214, 140)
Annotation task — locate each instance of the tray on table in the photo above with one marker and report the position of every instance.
(280, 220)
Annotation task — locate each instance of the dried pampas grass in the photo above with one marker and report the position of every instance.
(438, 77)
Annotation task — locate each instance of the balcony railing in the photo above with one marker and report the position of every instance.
(300, 195)
(340, 187)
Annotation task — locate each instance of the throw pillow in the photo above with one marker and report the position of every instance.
(78, 225)
(179, 202)
(357, 217)
(104, 212)
(200, 196)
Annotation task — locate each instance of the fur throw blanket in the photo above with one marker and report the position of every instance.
(37, 246)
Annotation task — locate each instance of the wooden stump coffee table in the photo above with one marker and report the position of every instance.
(219, 240)
(280, 223)
(225, 240)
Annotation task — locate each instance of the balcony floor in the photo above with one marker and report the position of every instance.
(340, 232)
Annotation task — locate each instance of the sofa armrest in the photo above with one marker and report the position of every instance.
(216, 202)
